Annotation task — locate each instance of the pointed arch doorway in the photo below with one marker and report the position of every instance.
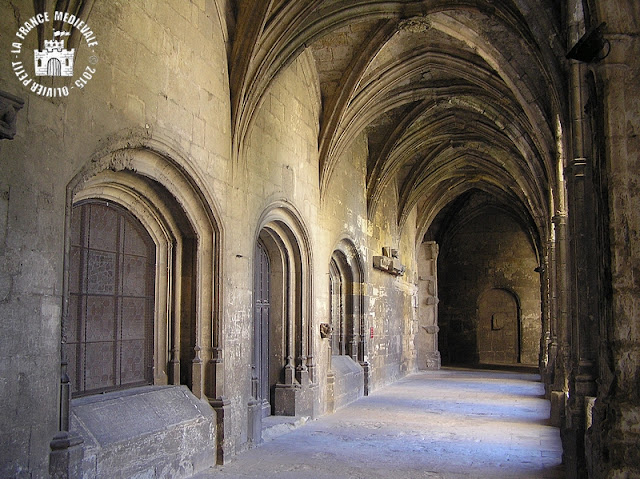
(498, 327)
(282, 362)
(277, 358)
(348, 374)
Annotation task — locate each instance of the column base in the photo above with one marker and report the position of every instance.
(224, 447)
(65, 459)
(433, 360)
(292, 400)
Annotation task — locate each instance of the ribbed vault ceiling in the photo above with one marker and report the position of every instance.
(453, 95)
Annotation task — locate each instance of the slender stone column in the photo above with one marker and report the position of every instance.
(363, 355)
(67, 448)
(586, 290)
(427, 334)
(559, 389)
(582, 230)
(548, 341)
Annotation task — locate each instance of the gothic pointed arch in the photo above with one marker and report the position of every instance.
(346, 273)
(153, 183)
(288, 343)
(348, 374)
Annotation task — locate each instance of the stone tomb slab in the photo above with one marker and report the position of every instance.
(349, 380)
(150, 432)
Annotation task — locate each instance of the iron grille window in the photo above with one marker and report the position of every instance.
(109, 328)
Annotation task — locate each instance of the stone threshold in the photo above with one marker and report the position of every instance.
(275, 426)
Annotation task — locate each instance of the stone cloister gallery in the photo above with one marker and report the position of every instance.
(239, 209)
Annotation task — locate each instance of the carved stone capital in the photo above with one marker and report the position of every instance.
(431, 329)
(9, 107)
(325, 330)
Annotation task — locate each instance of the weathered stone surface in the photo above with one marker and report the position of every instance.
(349, 380)
(155, 432)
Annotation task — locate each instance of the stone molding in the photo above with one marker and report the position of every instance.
(9, 107)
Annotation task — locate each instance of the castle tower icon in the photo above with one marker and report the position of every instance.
(55, 60)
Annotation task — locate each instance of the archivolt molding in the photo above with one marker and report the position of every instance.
(352, 257)
(138, 197)
(142, 150)
(129, 163)
(285, 212)
(285, 225)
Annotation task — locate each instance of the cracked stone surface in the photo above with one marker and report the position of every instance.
(451, 423)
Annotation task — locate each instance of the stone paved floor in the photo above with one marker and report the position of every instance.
(452, 423)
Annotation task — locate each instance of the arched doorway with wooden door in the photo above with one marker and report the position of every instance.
(261, 331)
(498, 333)
(283, 364)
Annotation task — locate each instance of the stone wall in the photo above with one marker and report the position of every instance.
(392, 313)
(613, 436)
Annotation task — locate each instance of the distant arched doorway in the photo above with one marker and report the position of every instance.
(341, 308)
(489, 288)
(498, 333)
(346, 277)
(348, 374)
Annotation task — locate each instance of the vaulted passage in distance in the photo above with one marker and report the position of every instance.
(490, 309)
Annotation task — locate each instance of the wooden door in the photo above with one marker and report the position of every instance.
(262, 275)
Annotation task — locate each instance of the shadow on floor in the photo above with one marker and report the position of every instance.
(520, 368)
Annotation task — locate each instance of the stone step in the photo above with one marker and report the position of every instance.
(274, 426)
